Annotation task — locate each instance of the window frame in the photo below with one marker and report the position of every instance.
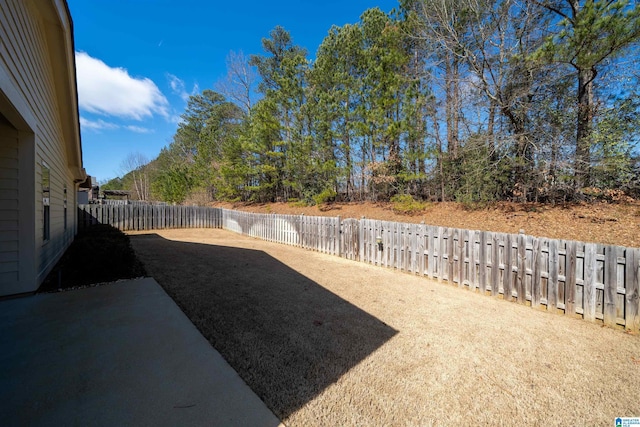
(46, 201)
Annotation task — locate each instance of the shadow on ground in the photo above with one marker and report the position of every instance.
(287, 337)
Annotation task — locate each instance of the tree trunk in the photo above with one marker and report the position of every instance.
(452, 107)
(582, 162)
(346, 141)
(440, 159)
(491, 129)
(522, 158)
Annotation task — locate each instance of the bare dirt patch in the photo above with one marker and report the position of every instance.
(326, 341)
(608, 223)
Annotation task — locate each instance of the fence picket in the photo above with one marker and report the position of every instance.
(473, 267)
(521, 277)
(632, 289)
(590, 281)
(459, 254)
(482, 260)
(495, 264)
(507, 274)
(610, 285)
(552, 282)
(570, 284)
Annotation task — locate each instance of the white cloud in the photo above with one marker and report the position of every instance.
(113, 92)
(98, 125)
(175, 118)
(138, 129)
(178, 87)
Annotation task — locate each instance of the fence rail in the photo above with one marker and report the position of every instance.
(596, 282)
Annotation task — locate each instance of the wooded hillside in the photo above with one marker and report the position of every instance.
(471, 101)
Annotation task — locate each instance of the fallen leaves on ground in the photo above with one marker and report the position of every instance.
(607, 223)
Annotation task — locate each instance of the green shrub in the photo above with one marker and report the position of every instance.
(406, 204)
(325, 196)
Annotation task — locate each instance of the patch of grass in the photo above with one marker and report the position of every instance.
(406, 204)
(98, 254)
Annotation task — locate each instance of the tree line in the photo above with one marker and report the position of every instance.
(466, 100)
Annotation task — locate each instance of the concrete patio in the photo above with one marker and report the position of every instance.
(119, 354)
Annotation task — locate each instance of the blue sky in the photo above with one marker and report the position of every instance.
(139, 60)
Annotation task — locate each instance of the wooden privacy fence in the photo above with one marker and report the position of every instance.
(309, 232)
(590, 280)
(149, 217)
(593, 281)
(130, 202)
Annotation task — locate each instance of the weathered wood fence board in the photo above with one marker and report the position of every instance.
(322, 234)
(149, 217)
(596, 282)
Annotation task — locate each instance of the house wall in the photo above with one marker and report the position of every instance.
(9, 212)
(38, 102)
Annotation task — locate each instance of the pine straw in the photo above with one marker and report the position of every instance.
(326, 341)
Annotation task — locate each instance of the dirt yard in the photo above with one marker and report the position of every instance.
(608, 223)
(330, 342)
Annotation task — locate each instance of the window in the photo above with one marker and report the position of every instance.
(46, 191)
(64, 204)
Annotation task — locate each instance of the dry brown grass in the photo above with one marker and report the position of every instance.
(326, 341)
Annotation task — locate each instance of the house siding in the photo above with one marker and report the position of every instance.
(27, 58)
(9, 214)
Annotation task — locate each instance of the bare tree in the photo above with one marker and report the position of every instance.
(238, 84)
(136, 164)
(484, 46)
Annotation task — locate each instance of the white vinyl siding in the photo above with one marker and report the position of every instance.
(27, 59)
